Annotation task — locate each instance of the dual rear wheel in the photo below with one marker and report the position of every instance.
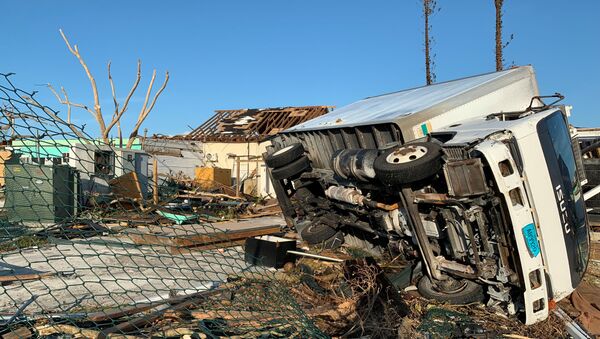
(288, 162)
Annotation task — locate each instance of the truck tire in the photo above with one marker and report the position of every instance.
(294, 168)
(285, 155)
(469, 292)
(406, 164)
(317, 233)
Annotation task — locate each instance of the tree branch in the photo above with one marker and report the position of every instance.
(145, 108)
(68, 105)
(48, 111)
(97, 109)
(112, 89)
(119, 113)
(134, 87)
(67, 102)
(162, 88)
(148, 92)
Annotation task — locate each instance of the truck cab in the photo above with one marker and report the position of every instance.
(475, 180)
(532, 160)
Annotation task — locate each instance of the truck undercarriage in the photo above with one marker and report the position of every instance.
(435, 205)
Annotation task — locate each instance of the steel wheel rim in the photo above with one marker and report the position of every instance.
(406, 154)
(462, 285)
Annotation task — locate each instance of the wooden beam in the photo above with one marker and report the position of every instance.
(205, 239)
(175, 250)
(219, 237)
(155, 181)
(27, 276)
(20, 332)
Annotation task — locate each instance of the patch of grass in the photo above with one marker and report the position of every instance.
(357, 252)
(226, 213)
(25, 241)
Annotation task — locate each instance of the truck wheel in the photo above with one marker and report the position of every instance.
(296, 167)
(317, 233)
(284, 156)
(461, 292)
(408, 163)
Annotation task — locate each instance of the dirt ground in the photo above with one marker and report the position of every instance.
(105, 271)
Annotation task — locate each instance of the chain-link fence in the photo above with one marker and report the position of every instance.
(94, 244)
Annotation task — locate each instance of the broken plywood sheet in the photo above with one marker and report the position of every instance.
(211, 177)
(127, 186)
(4, 157)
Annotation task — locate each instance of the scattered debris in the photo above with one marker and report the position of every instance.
(571, 326)
(585, 303)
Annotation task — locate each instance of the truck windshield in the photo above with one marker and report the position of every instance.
(558, 152)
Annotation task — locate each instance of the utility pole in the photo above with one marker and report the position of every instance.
(429, 7)
(499, 58)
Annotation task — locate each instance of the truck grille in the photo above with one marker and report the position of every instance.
(455, 152)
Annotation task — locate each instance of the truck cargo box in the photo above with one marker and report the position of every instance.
(420, 110)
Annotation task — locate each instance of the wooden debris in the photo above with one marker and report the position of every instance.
(23, 277)
(200, 241)
(204, 239)
(20, 332)
(127, 186)
(200, 195)
(46, 330)
(316, 256)
(189, 249)
(11, 273)
(184, 303)
(595, 250)
(343, 311)
(179, 332)
(209, 177)
(5, 156)
(243, 125)
(232, 315)
(123, 311)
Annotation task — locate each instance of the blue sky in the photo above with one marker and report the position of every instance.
(238, 54)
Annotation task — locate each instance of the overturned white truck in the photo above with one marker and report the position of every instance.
(477, 181)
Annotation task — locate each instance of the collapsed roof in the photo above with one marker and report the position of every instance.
(252, 124)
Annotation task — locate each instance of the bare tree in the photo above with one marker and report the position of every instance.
(500, 45)
(429, 7)
(119, 109)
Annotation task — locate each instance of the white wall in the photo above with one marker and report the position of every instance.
(219, 152)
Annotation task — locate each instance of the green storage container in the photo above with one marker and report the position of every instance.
(38, 193)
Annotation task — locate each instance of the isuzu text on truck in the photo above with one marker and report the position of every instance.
(476, 180)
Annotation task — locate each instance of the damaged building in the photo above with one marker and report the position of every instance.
(232, 140)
